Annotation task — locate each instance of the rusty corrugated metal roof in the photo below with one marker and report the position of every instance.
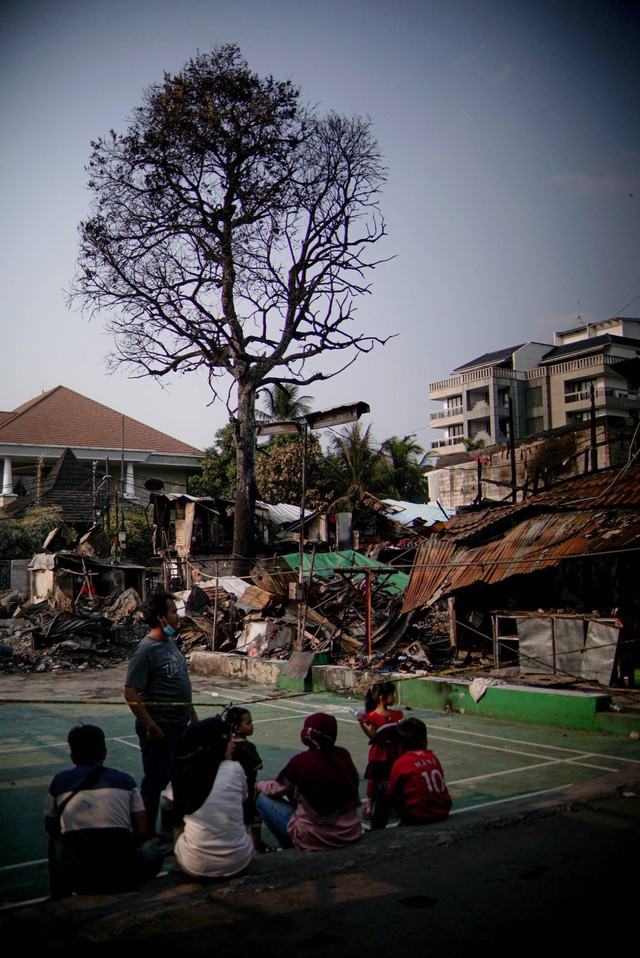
(587, 516)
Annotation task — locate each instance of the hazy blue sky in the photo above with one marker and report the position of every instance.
(511, 134)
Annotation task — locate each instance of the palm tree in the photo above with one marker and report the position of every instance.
(282, 403)
(355, 466)
(402, 469)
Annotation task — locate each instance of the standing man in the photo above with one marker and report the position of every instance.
(158, 691)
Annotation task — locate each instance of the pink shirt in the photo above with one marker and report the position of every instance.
(307, 830)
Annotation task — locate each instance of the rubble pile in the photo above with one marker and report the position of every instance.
(39, 637)
(261, 617)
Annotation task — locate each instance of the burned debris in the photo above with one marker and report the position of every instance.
(547, 586)
(42, 637)
(350, 609)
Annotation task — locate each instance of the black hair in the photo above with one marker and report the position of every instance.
(234, 715)
(156, 607)
(196, 764)
(376, 692)
(87, 744)
(413, 734)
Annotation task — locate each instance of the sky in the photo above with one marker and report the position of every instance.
(511, 135)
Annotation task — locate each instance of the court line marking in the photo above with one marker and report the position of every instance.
(524, 768)
(36, 861)
(577, 755)
(455, 811)
(515, 741)
(64, 745)
(511, 798)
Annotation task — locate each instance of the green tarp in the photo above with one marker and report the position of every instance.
(325, 563)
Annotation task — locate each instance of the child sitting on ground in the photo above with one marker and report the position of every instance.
(417, 789)
(246, 754)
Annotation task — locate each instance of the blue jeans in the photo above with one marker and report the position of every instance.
(276, 815)
(157, 762)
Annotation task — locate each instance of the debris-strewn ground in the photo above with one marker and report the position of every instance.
(257, 619)
(37, 637)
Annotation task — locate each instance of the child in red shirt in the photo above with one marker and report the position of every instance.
(380, 725)
(417, 789)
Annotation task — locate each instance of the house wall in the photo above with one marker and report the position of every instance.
(17, 468)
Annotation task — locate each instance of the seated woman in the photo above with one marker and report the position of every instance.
(208, 791)
(313, 803)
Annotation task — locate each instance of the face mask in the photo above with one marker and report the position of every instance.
(168, 630)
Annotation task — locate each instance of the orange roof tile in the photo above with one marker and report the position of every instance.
(62, 417)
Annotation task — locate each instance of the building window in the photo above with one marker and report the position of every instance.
(578, 389)
(534, 397)
(583, 416)
(535, 425)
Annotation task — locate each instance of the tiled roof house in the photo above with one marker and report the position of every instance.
(42, 428)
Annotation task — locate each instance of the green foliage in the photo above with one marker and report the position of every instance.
(279, 472)
(218, 476)
(472, 444)
(21, 538)
(355, 466)
(401, 470)
(139, 529)
(282, 403)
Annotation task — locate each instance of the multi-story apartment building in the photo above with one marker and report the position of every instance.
(585, 366)
(549, 386)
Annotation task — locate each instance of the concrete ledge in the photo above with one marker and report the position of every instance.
(554, 707)
(283, 900)
(587, 711)
(261, 671)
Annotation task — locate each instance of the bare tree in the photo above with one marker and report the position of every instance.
(232, 229)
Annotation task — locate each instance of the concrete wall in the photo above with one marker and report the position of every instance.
(19, 575)
(551, 707)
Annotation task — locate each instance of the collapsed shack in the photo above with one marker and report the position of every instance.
(263, 618)
(391, 529)
(82, 610)
(194, 534)
(548, 585)
(67, 577)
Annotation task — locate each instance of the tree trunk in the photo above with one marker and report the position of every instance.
(245, 439)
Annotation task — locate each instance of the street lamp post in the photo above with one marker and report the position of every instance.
(319, 419)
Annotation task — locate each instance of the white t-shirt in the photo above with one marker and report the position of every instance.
(215, 842)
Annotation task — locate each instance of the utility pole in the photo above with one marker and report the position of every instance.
(321, 419)
(512, 449)
(593, 438)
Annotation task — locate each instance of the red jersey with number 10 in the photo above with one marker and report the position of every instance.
(417, 788)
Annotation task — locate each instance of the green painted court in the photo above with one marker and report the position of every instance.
(487, 762)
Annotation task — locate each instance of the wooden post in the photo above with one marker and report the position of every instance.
(367, 590)
(215, 613)
(453, 625)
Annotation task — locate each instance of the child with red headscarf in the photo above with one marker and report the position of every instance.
(313, 803)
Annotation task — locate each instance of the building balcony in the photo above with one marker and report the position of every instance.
(453, 385)
(605, 396)
(448, 443)
(480, 410)
(446, 413)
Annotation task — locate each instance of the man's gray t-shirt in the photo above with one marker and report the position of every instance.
(158, 669)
